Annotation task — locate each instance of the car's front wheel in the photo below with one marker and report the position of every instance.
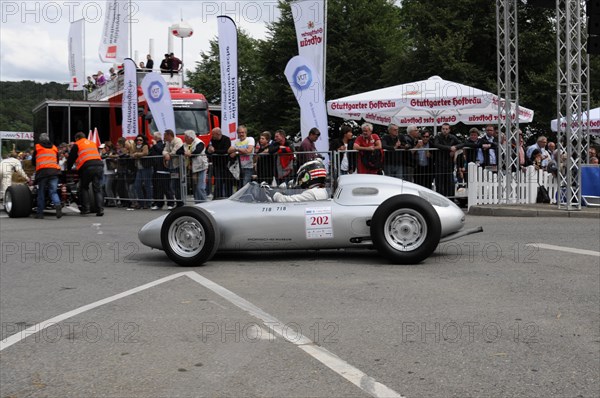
(189, 236)
(17, 201)
(405, 229)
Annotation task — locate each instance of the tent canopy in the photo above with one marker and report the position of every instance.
(428, 102)
(594, 121)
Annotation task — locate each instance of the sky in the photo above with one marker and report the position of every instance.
(33, 34)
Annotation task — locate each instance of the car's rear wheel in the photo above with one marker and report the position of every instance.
(405, 229)
(189, 236)
(17, 201)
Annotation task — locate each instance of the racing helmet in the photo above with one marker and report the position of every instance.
(311, 173)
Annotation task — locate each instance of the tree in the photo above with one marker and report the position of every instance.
(17, 100)
(457, 40)
(362, 39)
(378, 43)
(206, 78)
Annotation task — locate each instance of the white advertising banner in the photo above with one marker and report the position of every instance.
(16, 135)
(158, 97)
(115, 35)
(130, 100)
(229, 75)
(309, 20)
(430, 102)
(306, 85)
(76, 66)
(593, 122)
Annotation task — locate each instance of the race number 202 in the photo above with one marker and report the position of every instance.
(319, 223)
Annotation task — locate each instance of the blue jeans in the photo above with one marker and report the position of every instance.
(143, 178)
(246, 176)
(174, 193)
(50, 183)
(199, 179)
(394, 170)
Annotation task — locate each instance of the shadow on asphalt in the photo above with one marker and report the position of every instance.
(288, 258)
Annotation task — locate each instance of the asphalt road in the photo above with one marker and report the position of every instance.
(486, 316)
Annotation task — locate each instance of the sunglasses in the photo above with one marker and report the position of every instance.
(139, 139)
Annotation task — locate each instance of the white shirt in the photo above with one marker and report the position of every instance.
(245, 160)
(345, 164)
(9, 166)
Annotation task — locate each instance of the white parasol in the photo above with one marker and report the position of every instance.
(430, 102)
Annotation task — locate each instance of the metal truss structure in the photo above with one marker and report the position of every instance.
(572, 99)
(507, 38)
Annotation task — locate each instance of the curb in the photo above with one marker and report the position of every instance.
(520, 211)
(515, 211)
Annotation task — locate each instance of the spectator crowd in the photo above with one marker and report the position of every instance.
(155, 172)
(170, 64)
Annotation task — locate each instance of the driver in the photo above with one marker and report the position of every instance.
(311, 176)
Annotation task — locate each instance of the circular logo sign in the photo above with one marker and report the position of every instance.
(302, 78)
(156, 91)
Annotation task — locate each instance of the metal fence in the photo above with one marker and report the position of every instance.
(150, 183)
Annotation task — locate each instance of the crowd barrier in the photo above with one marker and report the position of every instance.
(148, 181)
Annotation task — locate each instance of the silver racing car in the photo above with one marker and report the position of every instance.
(403, 221)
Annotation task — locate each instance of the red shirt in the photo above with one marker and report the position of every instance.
(369, 142)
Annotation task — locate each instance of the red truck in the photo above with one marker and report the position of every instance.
(62, 119)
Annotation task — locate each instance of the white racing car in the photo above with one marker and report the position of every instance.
(403, 221)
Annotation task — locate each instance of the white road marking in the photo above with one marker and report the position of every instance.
(327, 358)
(565, 249)
(321, 354)
(15, 338)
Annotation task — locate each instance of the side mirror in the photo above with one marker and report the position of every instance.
(148, 116)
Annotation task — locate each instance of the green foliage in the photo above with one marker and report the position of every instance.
(370, 44)
(206, 78)
(17, 100)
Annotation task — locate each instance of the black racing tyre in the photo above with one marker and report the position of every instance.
(405, 229)
(190, 236)
(17, 201)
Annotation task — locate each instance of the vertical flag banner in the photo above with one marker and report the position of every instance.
(228, 57)
(76, 68)
(158, 96)
(306, 85)
(130, 100)
(309, 20)
(115, 35)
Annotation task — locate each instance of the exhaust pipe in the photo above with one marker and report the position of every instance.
(461, 233)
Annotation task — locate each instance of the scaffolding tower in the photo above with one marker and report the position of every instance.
(507, 40)
(572, 100)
